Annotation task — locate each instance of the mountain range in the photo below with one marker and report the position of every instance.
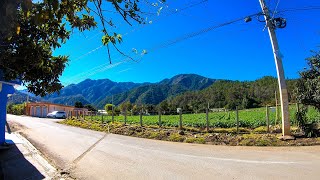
(103, 91)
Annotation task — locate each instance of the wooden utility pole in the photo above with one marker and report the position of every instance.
(280, 72)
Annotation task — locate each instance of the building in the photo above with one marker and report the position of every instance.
(41, 109)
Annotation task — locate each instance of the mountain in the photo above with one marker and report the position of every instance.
(99, 92)
(89, 91)
(156, 92)
(21, 96)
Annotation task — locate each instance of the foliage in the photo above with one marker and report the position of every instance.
(125, 106)
(230, 94)
(90, 107)
(78, 104)
(108, 107)
(308, 85)
(16, 109)
(310, 129)
(30, 31)
(173, 134)
(40, 27)
(176, 137)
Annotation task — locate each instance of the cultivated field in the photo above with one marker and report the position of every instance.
(249, 118)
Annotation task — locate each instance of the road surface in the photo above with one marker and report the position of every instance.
(87, 154)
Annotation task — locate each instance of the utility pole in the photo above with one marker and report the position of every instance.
(280, 72)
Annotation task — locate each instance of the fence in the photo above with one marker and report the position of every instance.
(250, 118)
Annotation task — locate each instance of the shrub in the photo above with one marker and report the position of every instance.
(16, 109)
(176, 137)
(261, 129)
(199, 140)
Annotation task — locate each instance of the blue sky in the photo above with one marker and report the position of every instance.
(240, 51)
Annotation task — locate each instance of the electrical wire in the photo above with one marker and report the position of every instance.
(300, 9)
(275, 9)
(197, 33)
(164, 45)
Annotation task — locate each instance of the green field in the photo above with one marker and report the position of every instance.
(250, 118)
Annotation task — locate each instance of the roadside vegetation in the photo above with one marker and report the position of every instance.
(248, 118)
(222, 131)
(215, 136)
(16, 109)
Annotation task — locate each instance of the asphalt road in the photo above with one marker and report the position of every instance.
(89, 154)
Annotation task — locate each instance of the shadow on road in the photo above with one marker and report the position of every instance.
(13, 165)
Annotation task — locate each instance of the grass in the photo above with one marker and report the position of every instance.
(249, 118)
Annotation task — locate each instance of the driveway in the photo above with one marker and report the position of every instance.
(87, 154)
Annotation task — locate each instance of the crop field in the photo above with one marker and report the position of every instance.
(249, 118)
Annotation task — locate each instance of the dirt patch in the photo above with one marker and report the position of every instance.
(15, 127)
(219, 136)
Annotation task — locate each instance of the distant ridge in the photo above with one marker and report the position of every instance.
(99, 92)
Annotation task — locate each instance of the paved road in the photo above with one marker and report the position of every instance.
(95, 155)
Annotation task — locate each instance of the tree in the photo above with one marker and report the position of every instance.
(30, 31)
(108, 107)
(125, 106)
(90, 107)
(308, 86)
(78, 104)
(164, 106)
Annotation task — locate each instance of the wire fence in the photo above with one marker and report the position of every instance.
(249, 118)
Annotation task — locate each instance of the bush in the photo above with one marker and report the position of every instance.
(176, 137)
(16, 109)
(199, 140)
(309, 129)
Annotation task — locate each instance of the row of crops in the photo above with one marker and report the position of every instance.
(250, 118)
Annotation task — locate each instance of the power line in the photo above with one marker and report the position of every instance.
(275, 9)
(166, 44)
(200, 32)
(300, 9)
(97, 69)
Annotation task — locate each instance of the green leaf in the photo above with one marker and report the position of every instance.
(105, 39)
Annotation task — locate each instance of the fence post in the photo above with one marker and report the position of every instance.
(298, 110)
(125, 116)
(207, 118)
(180, 119)
(237, 119)
(91, 115)
(140, 117)
(102, 117)
(84, 116)
(159, 118)
(267, 118)
(112, 118)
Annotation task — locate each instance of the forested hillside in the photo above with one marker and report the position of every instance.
(229, 94)
(157, 92)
